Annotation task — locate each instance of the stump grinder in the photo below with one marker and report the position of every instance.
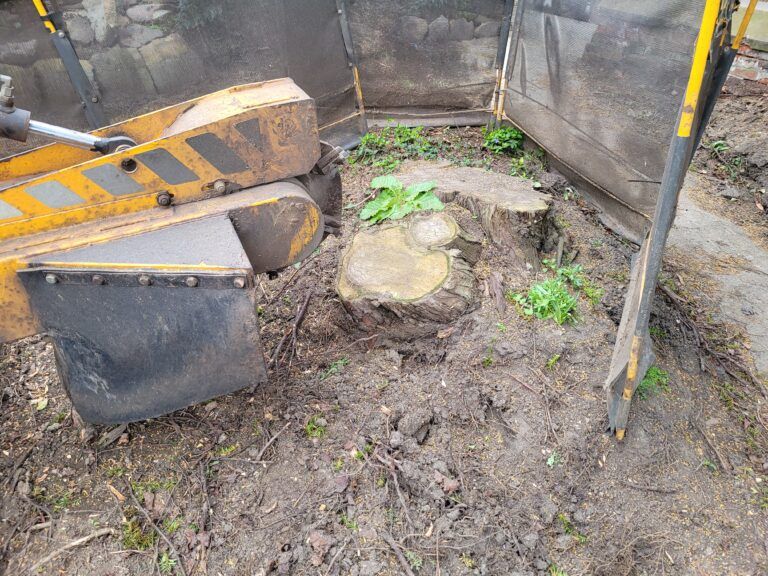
(135, 247)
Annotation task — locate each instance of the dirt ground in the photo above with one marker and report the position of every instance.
(479, 450)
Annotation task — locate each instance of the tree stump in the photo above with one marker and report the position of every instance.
(407, 279)
(511, 212)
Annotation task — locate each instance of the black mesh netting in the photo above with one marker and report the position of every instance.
(599, 85)
(596, 83)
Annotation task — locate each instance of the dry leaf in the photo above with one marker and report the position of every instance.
(116, 493)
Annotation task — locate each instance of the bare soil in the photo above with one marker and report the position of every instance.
(480, 449)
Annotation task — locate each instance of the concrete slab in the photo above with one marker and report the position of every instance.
(743, 293)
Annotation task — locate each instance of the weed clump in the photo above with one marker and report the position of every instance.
(315, 428)
(656, 380)
(135, 537)
(547, 299)
(387, 147)
(395, 201)
(504, 140)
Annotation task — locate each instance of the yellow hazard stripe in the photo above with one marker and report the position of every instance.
(167, 268)
(744, 23)
(43, 11)
(700, 57)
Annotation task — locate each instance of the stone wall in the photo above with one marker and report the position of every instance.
(144, 54)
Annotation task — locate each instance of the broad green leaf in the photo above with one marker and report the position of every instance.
(416, 189)
(386, 181)
(377, 204)
(401, 211)
(428, 201)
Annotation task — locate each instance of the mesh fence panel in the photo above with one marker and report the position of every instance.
(596, 83)
(427, 54)
(599, 85)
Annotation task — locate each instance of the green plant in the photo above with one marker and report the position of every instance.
(487, 360)
(166, 563)
(348, 523)
(570, 529)
(501, 327)
(657, 332)
(574, 275)
(655, 380)
(387, 147)
(134, 536)
(555, 571)
(140, 488)
(315, 428)
(547, 299)
(467, 560)
(63, 501)
(719, 146)
(504, 140)
(388, 164)
(225, 451)
(711, 466)
(414, 559)
(171, 525)
(116, 471)
(553, 360)
(337, 464)
(60, 417)
(395, 201)
(334, 368)
(554, 459)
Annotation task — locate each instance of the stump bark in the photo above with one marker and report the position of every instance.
(511, 212)
(407, 279)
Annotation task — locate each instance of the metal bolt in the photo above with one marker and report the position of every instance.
(98, 280)
(60, 34)
(164, 199)
(191, 281)
(220, 187)
(51, 278)
(94, 99)
(239, 282)
(145, 280)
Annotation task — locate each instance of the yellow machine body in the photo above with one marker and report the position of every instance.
(58, 197)
(140, 265)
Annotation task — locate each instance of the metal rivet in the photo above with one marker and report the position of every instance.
(145, 280)
(239, 282)
(97, 279)
(220, 187)
(51, 278)
(164, 199)
(191, 281)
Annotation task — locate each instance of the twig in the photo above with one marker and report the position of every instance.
(403, 562)
(723, 463)
(336, 556)
(292, 333)
(12, 477)
(293, 277)
(140, 508)
(74, 544)
(650, 488)
(524, 385)
(271, 441)
(391, 465)
(702, 342)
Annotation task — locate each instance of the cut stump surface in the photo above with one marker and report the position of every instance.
(511, 212)
(406, 279)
